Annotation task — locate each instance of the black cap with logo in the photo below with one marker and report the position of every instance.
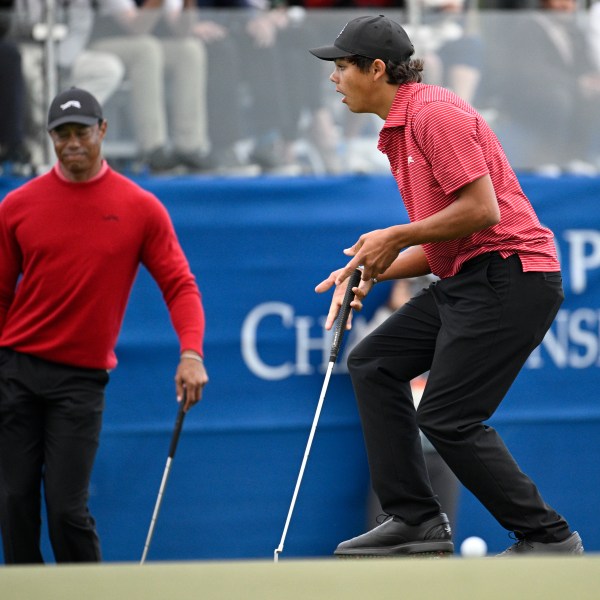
(372, 37)
(74, 106)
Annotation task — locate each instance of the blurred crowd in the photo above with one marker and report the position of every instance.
(227, 87)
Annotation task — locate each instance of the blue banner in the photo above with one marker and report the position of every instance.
(258, 248)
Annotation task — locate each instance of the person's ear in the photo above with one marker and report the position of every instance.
(378, 68)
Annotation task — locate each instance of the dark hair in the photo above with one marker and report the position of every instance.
(397, 72)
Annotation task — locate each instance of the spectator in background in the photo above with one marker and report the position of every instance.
(12, 96)
(594, 31)
(100, 72)
(455, 47)
(593, 36)
(269, 89)
(226, 124)
(550, 93)
(153, 40)
(273, 124)
(303, 85)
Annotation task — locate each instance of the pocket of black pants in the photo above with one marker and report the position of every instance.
(498, 275)
(553, 277)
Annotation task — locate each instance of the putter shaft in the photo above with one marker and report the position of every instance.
(165, 477)
(305, 459)
(161, 491)
(342, 319)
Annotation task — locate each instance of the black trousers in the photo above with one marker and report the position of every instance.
(50, 422)
(473, 332)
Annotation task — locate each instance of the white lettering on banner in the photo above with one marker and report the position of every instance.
(304, 342)
(584, 256)
(572, 342)
(249, 340)
(301, 326)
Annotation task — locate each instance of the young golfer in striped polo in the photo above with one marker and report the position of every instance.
(500, 287)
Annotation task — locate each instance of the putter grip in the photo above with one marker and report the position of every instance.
(177, 429)
(343, 315)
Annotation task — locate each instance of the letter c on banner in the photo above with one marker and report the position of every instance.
(249, 340)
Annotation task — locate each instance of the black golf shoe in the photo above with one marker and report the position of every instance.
(523, 546)
(394, 537)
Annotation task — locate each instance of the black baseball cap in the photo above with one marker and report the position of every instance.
(373, 37)
(74, 106)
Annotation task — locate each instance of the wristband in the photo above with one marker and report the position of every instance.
(192, 355)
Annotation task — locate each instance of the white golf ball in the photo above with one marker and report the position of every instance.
(473, 547)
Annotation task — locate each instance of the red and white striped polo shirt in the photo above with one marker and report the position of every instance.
(436, 144)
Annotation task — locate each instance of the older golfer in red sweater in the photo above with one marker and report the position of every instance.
(71, 243)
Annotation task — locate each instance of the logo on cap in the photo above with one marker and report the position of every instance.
(70, 103)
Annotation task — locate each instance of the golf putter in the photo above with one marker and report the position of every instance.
(165, 477)
(342, 319)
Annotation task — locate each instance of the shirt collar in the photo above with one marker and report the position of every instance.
(101, 172)
(397, 115)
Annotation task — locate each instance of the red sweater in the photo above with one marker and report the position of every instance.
(76, 248)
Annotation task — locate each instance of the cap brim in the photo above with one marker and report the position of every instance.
(80, 119)
(329, 52)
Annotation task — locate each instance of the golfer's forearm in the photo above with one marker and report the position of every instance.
(412, 262)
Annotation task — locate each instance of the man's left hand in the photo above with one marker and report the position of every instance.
(191, 375)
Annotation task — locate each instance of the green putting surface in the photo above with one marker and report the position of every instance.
(573, 578)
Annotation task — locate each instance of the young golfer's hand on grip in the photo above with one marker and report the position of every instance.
(360, 292)
(374, 252)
